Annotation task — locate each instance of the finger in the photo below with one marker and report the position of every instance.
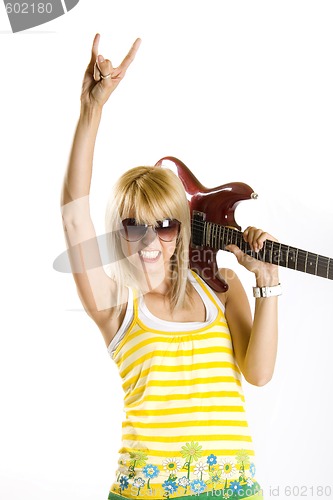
(261, 239)
(256, 242)
(252, 234)
(246, 233)
(131, 55)
(94, 52)
(104, 68)
(96, 73)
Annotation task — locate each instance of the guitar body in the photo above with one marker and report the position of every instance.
(214, 227)
(217, 205)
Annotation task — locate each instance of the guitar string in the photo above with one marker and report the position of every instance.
(236, 237)
(284, 254)
(297, 260)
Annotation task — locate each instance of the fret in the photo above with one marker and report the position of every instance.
(216, 241)
(330, 269)
(269, 245)
(280, 254)
(232, 237)
(311, 263)
(301, 260)
(263, 252)
(217, 236)
(243, 245)
(275, 254)
(292, 258)
(223, 241)
(284, 255)
(323, 267)
(239, 238)
(296, 259)
(233, 240)
(210, 225)
(228, 236)
(213, 238)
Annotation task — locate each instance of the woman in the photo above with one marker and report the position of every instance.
(180, 347)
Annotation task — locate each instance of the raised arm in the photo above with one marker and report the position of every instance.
(96, 290)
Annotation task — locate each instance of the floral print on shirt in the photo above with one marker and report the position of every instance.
(234, 478)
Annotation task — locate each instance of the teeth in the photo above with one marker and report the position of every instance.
(149, 255)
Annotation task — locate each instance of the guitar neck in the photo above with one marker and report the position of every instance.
(216, 236)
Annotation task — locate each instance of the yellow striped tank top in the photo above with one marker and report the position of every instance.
(185, 431)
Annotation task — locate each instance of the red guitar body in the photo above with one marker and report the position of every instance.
(218, 205)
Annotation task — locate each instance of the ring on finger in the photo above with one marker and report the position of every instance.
(98, 76)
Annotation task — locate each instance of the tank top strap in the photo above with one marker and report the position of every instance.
(209, 293)
(135, 294)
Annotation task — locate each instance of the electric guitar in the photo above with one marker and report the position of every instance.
(214, 227)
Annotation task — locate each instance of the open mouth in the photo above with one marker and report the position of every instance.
(149, 255)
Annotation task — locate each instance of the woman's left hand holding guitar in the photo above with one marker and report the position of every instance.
(266, 274)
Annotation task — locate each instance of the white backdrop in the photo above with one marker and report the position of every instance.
(240, 91)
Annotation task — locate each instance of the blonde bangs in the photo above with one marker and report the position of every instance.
(152, 197)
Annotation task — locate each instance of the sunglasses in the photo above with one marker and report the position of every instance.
(166, 229)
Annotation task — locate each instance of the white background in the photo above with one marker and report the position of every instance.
(239, 91)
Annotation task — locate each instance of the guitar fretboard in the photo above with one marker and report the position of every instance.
(216, 236)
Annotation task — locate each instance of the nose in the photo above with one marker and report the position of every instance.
(149, 237)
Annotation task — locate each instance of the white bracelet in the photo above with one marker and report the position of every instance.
(267, 291)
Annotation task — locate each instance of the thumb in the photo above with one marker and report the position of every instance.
(236, 251)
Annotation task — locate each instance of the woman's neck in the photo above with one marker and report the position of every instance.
(155, 283)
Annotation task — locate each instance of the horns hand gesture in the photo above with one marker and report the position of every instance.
(101, 78)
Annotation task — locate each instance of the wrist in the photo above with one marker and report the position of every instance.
(267, 280)
(90, 111)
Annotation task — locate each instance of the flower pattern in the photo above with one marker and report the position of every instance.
(232, 477)
(200, 469)
(228, 468)
(171, 464)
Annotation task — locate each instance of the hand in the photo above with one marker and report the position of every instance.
(96, 90)
(266, 273)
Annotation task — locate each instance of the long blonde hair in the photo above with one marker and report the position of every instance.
(151, 194)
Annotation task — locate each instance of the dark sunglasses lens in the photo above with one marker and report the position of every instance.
(167, 230)
(132, 231)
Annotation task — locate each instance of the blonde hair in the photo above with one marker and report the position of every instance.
(149, 194)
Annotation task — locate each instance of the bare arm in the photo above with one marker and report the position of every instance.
(96, 290)
(255, 342)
